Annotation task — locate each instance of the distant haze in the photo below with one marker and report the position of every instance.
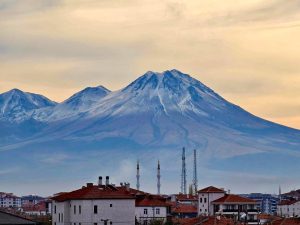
(247, 51)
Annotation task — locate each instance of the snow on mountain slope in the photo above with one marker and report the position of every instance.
(172, 109)
(17, 106)
(73, 106)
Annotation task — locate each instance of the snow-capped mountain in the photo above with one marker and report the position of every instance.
(153, 117)
(162, 110)
(17, 106)
(73, 106)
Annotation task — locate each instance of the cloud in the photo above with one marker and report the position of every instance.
(7, 171)
(55, 158)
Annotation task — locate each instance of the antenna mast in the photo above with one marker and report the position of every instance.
(158, 178)
(138, 175)
(183, 173)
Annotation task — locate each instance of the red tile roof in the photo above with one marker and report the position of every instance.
(41, 206)
(184, 208)
(182, 197)
(151, 200)
(211, 189)
(95, 192)
(229, 198)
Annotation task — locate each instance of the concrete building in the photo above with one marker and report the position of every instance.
(266, 203)
(150, 208)
(9, 200)
(94, 204)
(236, 207)
(205, 198)
(289, 208)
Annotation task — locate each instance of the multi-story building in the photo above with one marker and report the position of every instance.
(214, 201)
(236, 207)
(94, 205)
(289, 208)
(9, 200)
(205, 198)
(266, 203)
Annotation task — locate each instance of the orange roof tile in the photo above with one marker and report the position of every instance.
(229, 198)
(211, 189)
(95, 192)
(184, 208)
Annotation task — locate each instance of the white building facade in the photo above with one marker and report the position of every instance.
(94, 205)
(205, 198)
(289, 208)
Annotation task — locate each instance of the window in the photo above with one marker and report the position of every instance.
(74, 209)
(110, 205)
(58, 217)
(95, 223)
(55, 209)
(95, 209)
(79, 223)
(145, 222)
(200, 200)
(74, 223)
(79, 209)
(110, 222)
(62, 217)
(146, 211)
(204, 200)
(157, 211)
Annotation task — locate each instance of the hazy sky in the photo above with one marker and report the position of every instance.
(248, 51)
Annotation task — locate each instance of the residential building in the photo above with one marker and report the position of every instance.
(266, 203)
(150, 208)
(289, 208)
(95, 205)
(9, 200)
(205, 198)
(31, 199)
(180, 210)
(236, 207)
(184, 199)
(39, 209)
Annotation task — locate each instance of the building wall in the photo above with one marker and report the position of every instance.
(8, 200)
(141, 216)
(120, 211)
(204, 202)
(289, 210)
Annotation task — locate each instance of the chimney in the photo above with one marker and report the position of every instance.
(107, 180)
(127, 185)
(89, 184)
(100, 181)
